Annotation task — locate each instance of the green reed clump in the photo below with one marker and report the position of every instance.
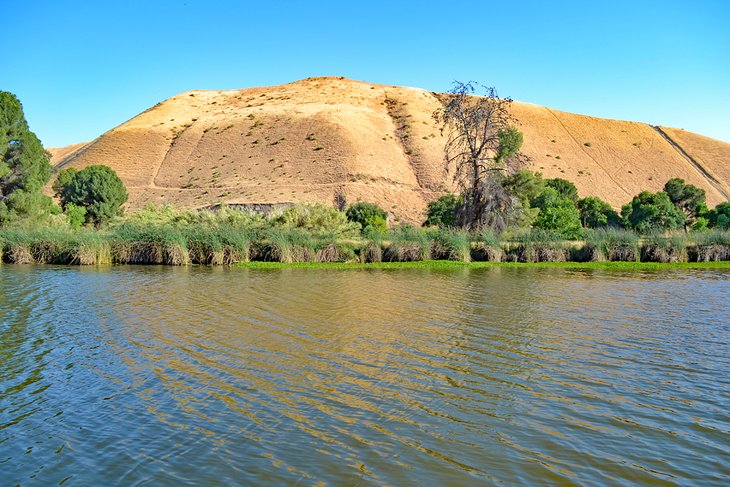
(235, 242)
(285, 244)
(710, 246)
(611, 244)
(408, 244)
(537, 246)
(40, 245)
(134, 243)
(487, 247)
(451, 244)
(91, 248)
(665, 249)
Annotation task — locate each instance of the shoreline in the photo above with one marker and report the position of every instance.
(449, 264)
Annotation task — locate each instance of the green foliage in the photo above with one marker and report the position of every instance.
(524, 186)
(62, 181)
(97, 189)
(510, 142)
(565, 188)
(317, 218)
(369, 215)
(652, 212)
(596, 213)
(24, 165)
(719, 217)
(558, 214)
(76, 215)
(442, 212)
(688, 198)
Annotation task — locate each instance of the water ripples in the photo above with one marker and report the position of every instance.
(461, 377)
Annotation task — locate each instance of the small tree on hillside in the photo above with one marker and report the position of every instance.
(480, 140)
(97, 189)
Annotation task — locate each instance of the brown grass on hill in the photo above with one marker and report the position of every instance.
(319, 137)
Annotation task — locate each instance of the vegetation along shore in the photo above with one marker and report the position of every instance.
(500, 212)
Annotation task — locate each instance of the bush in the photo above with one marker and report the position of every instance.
(317, 218)
(369, 215)
(97, 189)
(442, 212)
(558, 215)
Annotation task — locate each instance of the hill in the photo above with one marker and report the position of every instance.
(319, 138)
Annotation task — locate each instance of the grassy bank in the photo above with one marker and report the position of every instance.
(233, 240)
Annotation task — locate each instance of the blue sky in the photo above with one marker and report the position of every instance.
(81, 68)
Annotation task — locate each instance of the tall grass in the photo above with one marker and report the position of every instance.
(450, 244)
(407, 244)
(537, 246)
(665, 249)
(487, 247)
(611, 244)
(710, 246)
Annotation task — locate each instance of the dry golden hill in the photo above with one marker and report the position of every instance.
(318, 138)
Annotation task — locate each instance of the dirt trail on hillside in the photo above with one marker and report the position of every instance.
(712, 180)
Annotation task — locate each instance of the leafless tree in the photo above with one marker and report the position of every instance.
(480, 139)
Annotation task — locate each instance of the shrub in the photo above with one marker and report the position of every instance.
(369, 215)
(442, 212)
(317, 218)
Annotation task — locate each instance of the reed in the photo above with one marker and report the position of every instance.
(611, 244)
(537, 246)
(450, 244)
(664, 249)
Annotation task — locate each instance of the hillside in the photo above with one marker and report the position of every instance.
(320, 137)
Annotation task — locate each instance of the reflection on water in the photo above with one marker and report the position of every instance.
(129, 375)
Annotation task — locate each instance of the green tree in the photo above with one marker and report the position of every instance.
(650, 212)
(564, 187)
(596, 213)
(442, 212)
(524, 185)
(688, 198)
(719, 217)
(558, 214)
(369, 215)
(24, 165)
(98, 190)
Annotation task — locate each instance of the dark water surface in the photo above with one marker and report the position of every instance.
(174, 376)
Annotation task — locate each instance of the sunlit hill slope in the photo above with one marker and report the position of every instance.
(321, 137)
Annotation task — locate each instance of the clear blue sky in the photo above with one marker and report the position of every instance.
(81, 68)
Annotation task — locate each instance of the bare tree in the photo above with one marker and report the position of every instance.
(480, 139)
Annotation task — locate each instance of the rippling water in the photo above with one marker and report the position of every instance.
(167, 376)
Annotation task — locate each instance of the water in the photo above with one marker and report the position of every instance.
(173, 376)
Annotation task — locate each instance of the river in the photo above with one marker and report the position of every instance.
(229, 376)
